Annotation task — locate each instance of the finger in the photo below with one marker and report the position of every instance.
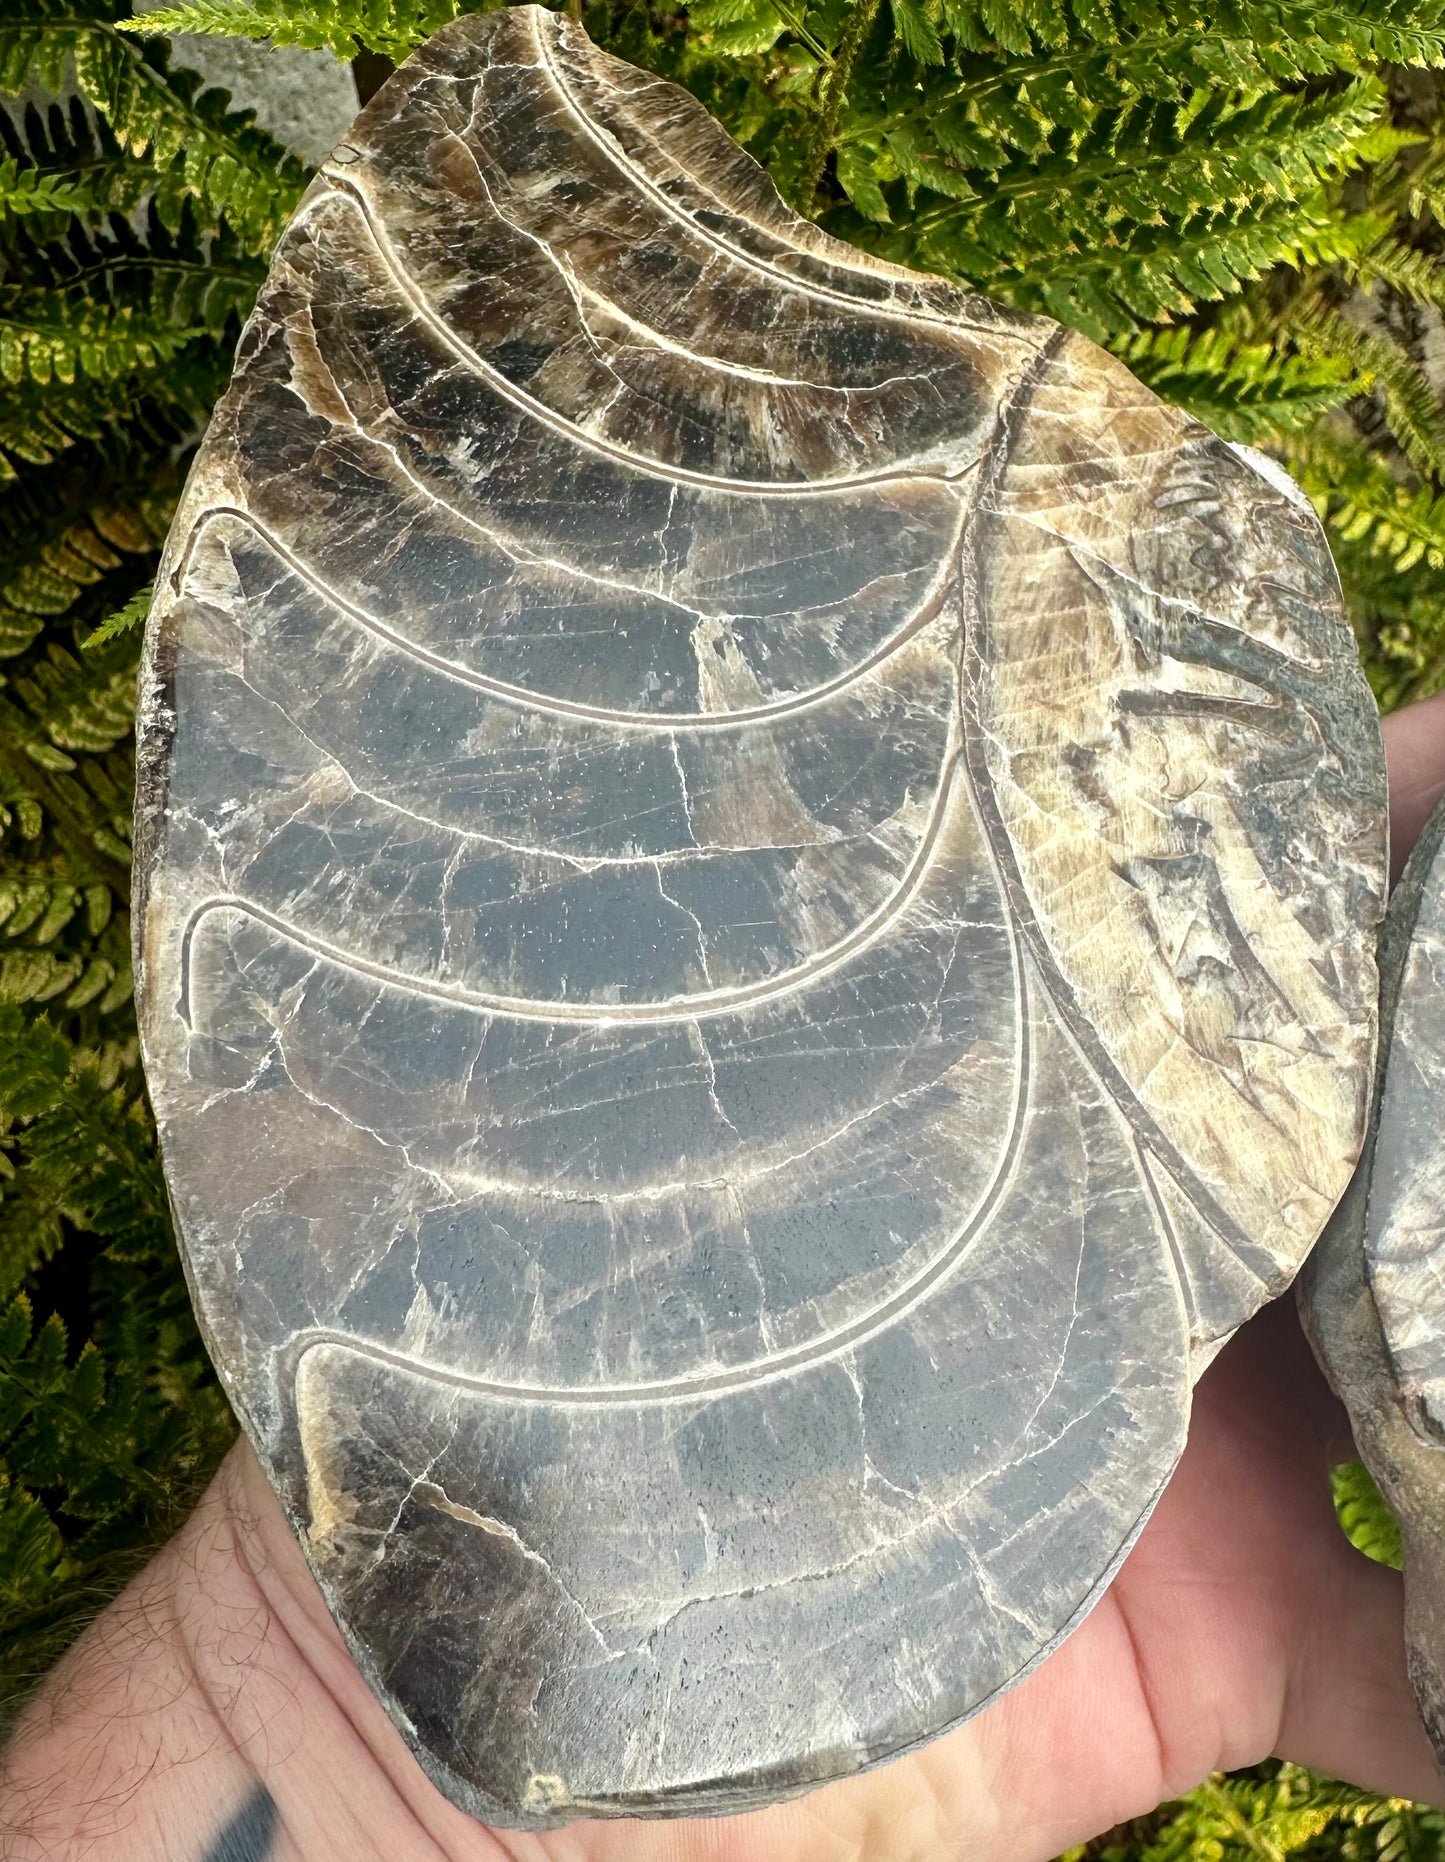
(1260, 1628)
(1349, 1710)
(1415, 757)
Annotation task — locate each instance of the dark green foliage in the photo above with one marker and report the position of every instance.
(101, 1449)
(1244, 198)
(1278, 1813)
(1368, 1523)
(129, 616)
(188, 138)
(391, 27)
(1249, 391)
(107, 330)
(134, 219)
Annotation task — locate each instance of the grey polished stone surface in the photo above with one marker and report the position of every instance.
(756, 929)
(1373, 1295)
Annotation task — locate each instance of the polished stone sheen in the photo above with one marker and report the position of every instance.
(758, 884)
(1373, 1294)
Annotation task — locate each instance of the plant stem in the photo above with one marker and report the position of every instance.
(830, 104)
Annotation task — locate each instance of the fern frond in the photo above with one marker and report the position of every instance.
(104, 328)
(67, 154)
(126, 618)
(1154, 208)
(1368, 1523)
(1248, 391)
(1281, 1811)
(1415, 416)
(1365, 502)
(232, 169)
(1399, 620)
(82, 709)
(916, 31)
(31, 1548)
(1287, 42)
(58, 336)
(27, 190)
(1147, 274)
(38, 426)
(392, 28)
(1414, 274)
(1006, 100)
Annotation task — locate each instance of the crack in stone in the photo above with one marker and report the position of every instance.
(432, 1494)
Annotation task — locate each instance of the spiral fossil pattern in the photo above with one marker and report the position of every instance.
(755, 930)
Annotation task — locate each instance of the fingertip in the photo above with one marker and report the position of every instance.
(1415, 759)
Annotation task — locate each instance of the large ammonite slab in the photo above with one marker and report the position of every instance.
(1373, 1295)
(758, 885)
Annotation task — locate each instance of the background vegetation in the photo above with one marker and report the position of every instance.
(1243, 198)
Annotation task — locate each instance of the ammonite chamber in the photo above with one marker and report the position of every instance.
(756, 912)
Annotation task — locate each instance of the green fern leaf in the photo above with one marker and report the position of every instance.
(1368, 1523)
(26, 190)
(126, 618)
(31, 1548)
(392, 28)
(1245, 391)
(229, 167)
(917, 32)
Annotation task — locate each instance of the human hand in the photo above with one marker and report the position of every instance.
(212, 1714)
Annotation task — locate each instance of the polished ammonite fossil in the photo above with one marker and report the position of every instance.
(756, 905)
(1373, 1295)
